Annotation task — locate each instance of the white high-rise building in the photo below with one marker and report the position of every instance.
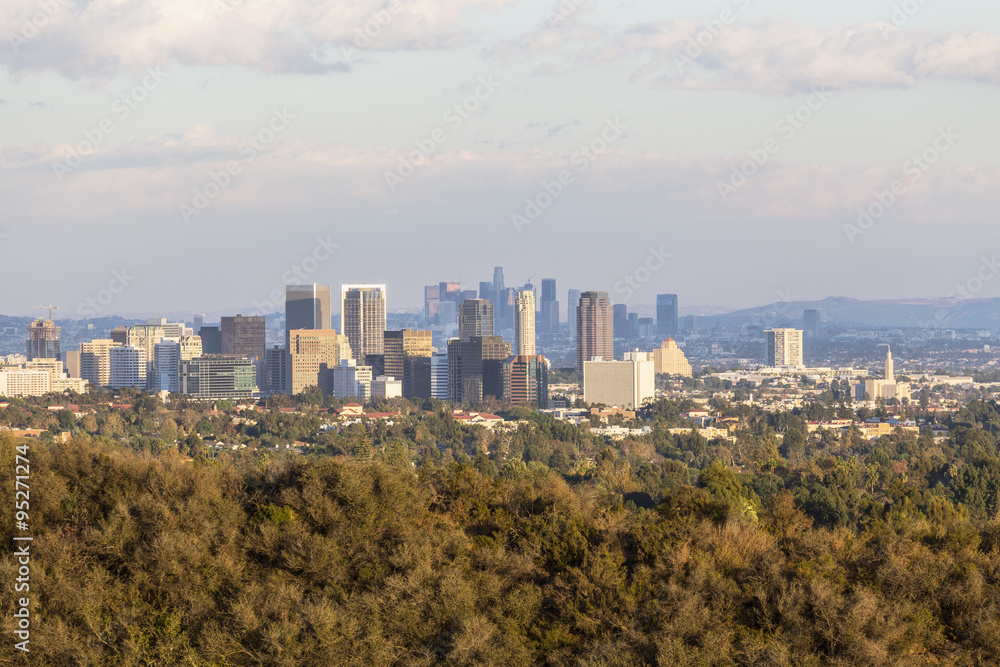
(362, 318)
(20, 382)
(439, 376)
(127, 367)
(170, 329)
(890, 371)
(352, 381)
(624, 384)
(524, 323)
(784, 347)
(167, 366)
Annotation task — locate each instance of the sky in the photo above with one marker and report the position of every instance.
(198, 155)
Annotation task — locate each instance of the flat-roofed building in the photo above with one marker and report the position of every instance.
(407, 358)
(313, 355)
(217, 377)
(623, 384)
(526, 380)
(95, 361)
(352, 381)
(127, 367)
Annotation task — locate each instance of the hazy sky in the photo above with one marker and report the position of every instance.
(719, 150)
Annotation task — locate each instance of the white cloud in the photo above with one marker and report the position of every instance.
(160, 173)
(102, 38)
(775, 56)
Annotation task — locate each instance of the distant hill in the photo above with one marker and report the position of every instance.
(929, 313)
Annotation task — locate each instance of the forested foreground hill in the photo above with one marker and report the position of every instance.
(163, 560)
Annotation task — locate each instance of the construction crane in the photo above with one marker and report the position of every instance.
(50, 307)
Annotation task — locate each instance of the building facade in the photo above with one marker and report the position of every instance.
(218, 377)
(623, 384)
(669, 359)
(43, 340)
(95, 361)
(243, 336)
(475, 318)
(526, 381)
(313, 354)
(784, 347)
(524, 323)
(475, 368)
(362, 317)
(666, 315)
(594, 328)
(407, 358)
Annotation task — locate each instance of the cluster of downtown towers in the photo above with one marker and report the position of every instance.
(232, 360)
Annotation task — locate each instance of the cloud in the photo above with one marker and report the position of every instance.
(102, 38)
(160, 173)
(774, 56)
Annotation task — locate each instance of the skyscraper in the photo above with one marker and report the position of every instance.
(549, 316)
(524, 323)
(313, 354)
(407, 358)
(43, 340)
(167, 361)
(573, 301)
(475, 318)
(244, 336)
(307, 307)
(218, 377)
(666, 315)
(362, 309)
(144, 337)
(784, 347)
(127, 367)
(211, 340)
(594, 328)
(432, 301)
(811, 321)
(475, 368)
(621, 326)
(890, 370)
(95, 361)
(526, 380)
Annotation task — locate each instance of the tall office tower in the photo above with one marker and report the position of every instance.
(439, 376)
(573, 302)
(526, 381)
(498, 285)
(71, 359)
(475, 368)
(447, 314)
(211, 340)
(548, 321)
(784, 347)
(624, 384)
(274, 374)
(890, 370)
(432, 301)
(144, 338)
(486, 292)
(666, 315)
(690, 324)
(594, 328)
(407, 355)
(646, 328)
(307, 307)
(475, 318)
(633, 324)
(167, 363)
(119, 335)
(218, 377)
(243, 336)
(170, 329)
(810, 321)
(126, 367)
(524, 323)
(467, 294)
(620, 318)
(95, 361)
(43, 340)
(352, 381)
(199, 322)
(313, 354)
(362, 314)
